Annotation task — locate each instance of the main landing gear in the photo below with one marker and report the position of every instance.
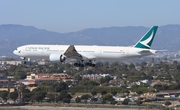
(23, 60)
(82, 64)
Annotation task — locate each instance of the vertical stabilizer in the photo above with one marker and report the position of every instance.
(146, 41)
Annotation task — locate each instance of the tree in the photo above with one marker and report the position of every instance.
(88, 82)
(167, 103)
(60, 86)
(105, 79)
(93, 93)
(78, 100)
(103, 92)
(39, 96)
(64, 97)
(77, 77)
(85, 97)
(108, 97)
(113, 102)
(125, 102)
(45, 86)
(67, 100)
(139, 89)
(27, 94)
(37, 90)
(73, 93)
(114, 93)
(32, 98)
(51, 97)
(4, 95)
(14, 95)
(94, 99)
(20, 75)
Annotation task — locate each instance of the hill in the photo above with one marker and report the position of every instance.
(12, 36)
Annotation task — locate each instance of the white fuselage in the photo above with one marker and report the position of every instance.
(90, 52)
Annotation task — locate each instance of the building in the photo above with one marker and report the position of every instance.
(95, 76)
(10, 62)
(92, 76)
(5, 82)
(39, 78)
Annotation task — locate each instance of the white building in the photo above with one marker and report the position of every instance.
(10, 62)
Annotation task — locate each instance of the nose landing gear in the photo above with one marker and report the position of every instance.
(23, 60)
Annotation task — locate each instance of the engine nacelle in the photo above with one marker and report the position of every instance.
(57, 57)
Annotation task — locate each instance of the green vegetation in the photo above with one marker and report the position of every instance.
(162, 71)
(4, 95)
(165, 74)
(14, 95)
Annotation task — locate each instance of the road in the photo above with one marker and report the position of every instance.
(63, 108)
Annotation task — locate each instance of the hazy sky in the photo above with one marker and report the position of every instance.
(74, 15)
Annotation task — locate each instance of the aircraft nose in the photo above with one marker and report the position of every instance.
(15, 52)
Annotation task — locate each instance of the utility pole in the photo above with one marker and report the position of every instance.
(55, 95)
(9, 83)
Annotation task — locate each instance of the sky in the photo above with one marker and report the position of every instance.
(74, 15)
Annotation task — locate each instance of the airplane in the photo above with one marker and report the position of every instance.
(84, 55)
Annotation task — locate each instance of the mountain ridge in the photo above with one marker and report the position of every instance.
(12, 36)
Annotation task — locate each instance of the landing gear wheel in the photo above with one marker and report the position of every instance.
(24, 62)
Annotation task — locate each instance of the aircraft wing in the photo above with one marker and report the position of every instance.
(71, 53)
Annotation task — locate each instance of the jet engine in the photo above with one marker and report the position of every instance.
(57, 58)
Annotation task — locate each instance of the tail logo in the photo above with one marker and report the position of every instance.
(147, 41)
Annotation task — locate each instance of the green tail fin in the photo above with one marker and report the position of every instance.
(146, 41)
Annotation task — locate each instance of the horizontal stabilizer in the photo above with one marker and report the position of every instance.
(145, 52)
